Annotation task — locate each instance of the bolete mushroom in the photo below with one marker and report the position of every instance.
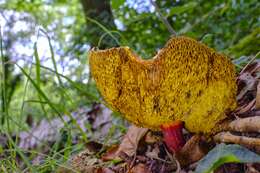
(186, 82)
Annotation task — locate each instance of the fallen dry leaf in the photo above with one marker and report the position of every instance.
(194, 149)
(150, 138)
(111, 153)
(245, 108)
(93, 146)
(131, 140)
(251, 68)
(140, 168)
(85, 162)
(249, 84)
(104, 170)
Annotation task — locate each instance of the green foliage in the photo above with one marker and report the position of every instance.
(223, 153)
(226, 21)
(115, 4)
(182, 8)
(243, 47)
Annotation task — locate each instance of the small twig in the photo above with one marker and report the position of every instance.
(173, 160)
(132, 162)
(163, 19)
(162, 160)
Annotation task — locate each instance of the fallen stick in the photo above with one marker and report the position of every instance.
(257, 102)
(250, 124)
(227, 137)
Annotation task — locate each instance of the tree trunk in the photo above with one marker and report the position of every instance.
(100, 11)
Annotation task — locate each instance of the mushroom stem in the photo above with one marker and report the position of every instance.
(172, 135)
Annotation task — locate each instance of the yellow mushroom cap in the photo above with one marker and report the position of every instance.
(185, 81)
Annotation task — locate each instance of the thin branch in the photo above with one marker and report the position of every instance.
(163, 19)
(227, 137)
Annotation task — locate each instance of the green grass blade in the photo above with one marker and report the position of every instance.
(52, 105)
(3, 85)
(74, 84)
(63, 93)
(38, 73)
(52, 55)
(37, 60)
(18, 150)
(40, 91)
(105, 29)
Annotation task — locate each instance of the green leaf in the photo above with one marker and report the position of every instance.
(1, 149)
(117, 3)
(223, 153)
(180, 9)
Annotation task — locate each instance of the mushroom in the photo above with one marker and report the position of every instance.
(185, 84)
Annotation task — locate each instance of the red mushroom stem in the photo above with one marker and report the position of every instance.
(172, 135)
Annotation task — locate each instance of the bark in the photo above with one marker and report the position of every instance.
(100, 11)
